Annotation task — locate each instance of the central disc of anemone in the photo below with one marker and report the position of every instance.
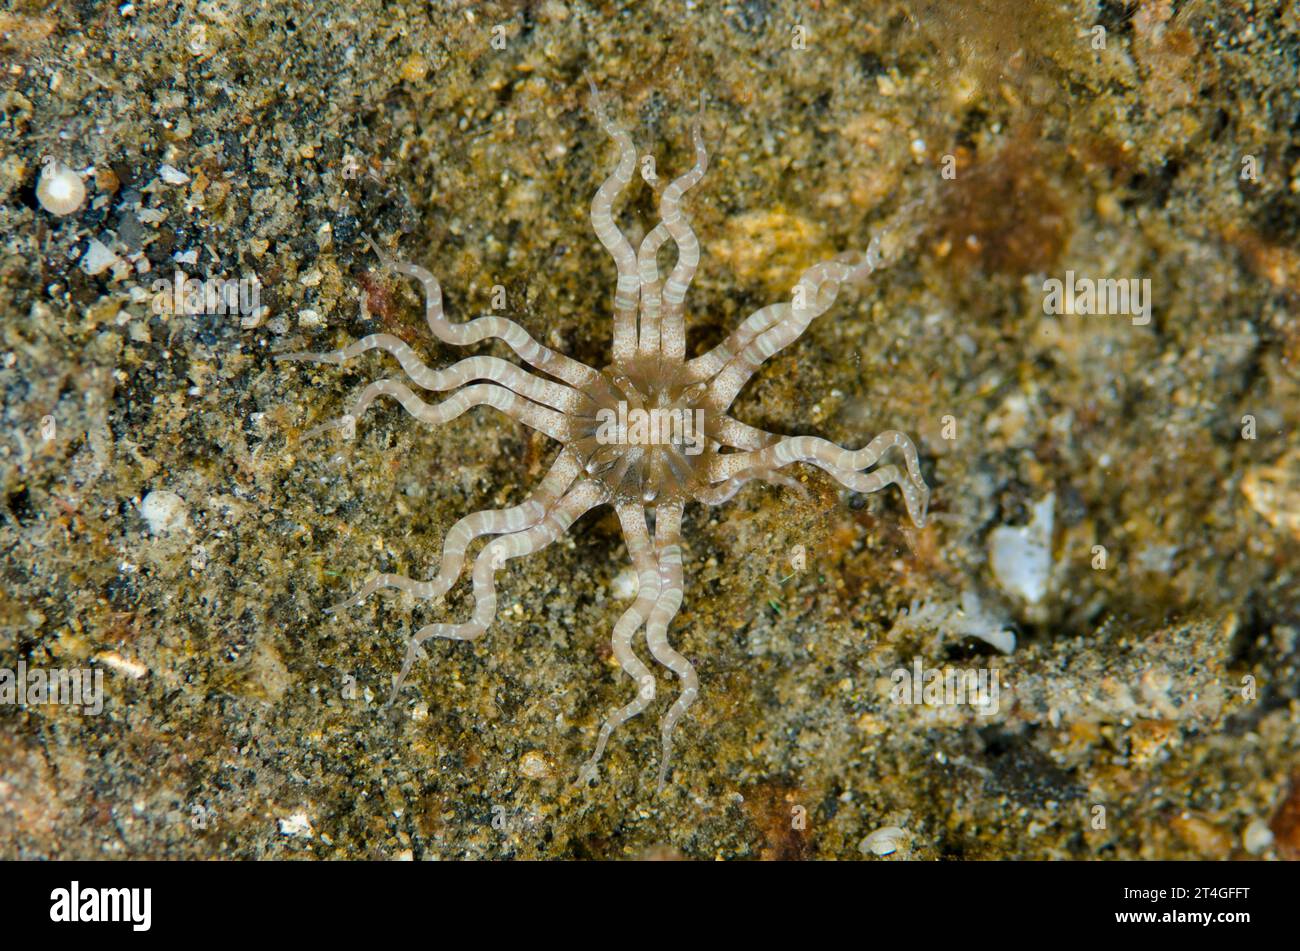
(647, 436)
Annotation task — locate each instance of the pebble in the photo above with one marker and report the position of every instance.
(1274, 492)
(123, 665)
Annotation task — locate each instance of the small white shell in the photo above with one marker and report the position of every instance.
(59, 189)
(1258, 837)
(883, 841)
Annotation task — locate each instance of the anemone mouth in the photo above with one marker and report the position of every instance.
(647, 439)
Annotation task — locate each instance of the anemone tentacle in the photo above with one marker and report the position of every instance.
(475, 525)
(672, 333)
(668, 548)
(632, 519)
(483, 328)
(548, 421)
(494, 369)
(583, 497)
(614, 241)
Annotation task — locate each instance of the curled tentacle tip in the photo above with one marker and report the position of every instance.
(347, 423)
(384, 257)
(874, 256)
(597, 104)
(665, 768)
(342, 605)
(303, 357)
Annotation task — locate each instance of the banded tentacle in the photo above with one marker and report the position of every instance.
(707, 364)
(505, 521)
(651, 289)
(844, 465)
(813, 296)
(673, 328)
(584, 496)
(668, 549)
(614, 241)
(556, 425)
(632, 518)
(494, 369)
(473, 331)
(727, 489)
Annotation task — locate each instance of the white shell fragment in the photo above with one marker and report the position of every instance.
(533, 765)
(625, 584)
(172, 175)
(883, 841)
(98, 258)
(970, 619)
(1021, 556)
(123, 665)
(975, 621)
(164, 511)
(59, 189)
(296, 824)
